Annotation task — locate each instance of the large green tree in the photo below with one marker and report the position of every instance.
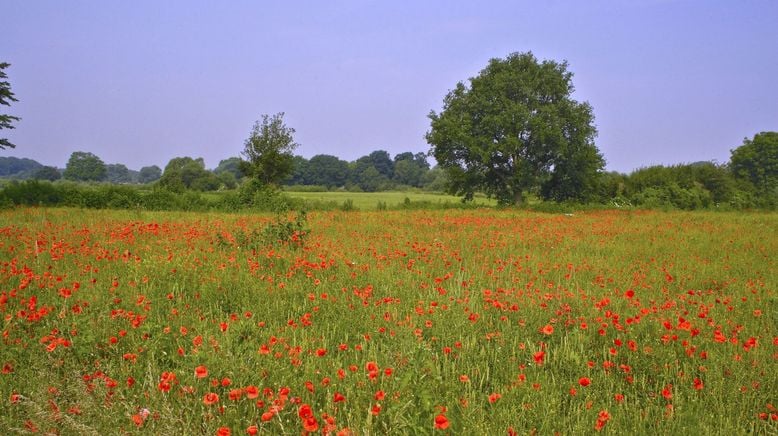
(757, 162)
(6, 97)
(84, 167)
(269, 149)
(515, 128)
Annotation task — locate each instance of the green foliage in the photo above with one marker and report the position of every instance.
(756, 161)
(268, 150)
(348, 205)
(689, 186)
(326, 170)
(515, 128)
(14, 167)
(281, 231)
(673, 196)
(231, 166)
(47, 173)
(183, 173)
(409, 169)
(255, 195)
(149, 174)
(84, 167)
(117, 173)
(6, 97)
(32, 193)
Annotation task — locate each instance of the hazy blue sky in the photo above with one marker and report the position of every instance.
(140, 82)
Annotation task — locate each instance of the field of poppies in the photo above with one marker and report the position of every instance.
(400, 322)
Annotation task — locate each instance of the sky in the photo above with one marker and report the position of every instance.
(141, 82)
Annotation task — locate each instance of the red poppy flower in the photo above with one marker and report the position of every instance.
(441, 422)
(547, 329)
(201, 372)
(210, 398)
(310, 424)
(584, 381)
(251, 392)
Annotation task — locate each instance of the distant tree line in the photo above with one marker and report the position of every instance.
(748, 180)
(377, 171)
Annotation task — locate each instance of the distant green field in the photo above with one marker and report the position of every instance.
(370, 200)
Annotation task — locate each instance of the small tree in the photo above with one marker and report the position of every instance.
(84, 167)
(6, 97)
(269, 150)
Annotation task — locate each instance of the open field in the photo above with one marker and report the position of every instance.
(391, 199)
(391, 322)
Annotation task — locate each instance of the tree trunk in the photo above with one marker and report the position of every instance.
(518, 197)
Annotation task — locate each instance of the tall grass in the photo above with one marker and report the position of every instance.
(388, 322)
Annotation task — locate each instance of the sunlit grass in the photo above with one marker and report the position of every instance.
(399, 322)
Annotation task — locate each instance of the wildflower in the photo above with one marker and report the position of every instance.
(547, 329)
(602, 419)
(441, 422)
(584, 381)
(251, 392)
(210, 398)
(310, 424)
(667, 392)
(201, 372)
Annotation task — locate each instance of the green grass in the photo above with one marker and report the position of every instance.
(489, 318)
(392, 199)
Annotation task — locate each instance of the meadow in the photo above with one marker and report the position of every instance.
(386, 199)
(388, 322)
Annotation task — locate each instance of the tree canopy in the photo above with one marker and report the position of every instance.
(149, 174)
(6, 97)
(269, 149)
(515, 128)
(183, 173)
(757, 162)
(83, 167)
